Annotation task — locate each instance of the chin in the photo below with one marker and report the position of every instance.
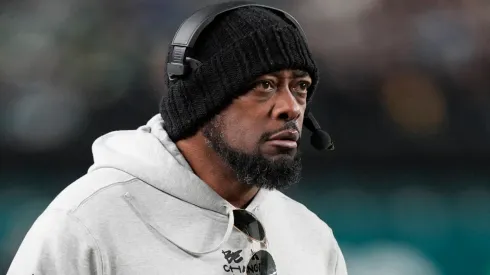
(281, 156)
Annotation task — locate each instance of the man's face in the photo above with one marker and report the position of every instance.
(258, 135)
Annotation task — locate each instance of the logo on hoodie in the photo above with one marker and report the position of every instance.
(235, 258)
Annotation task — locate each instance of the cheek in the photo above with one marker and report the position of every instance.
(241, 135)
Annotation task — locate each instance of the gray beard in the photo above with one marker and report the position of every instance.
(253, 169)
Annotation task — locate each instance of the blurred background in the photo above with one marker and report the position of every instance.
(405, 93)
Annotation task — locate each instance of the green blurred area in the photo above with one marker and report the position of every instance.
(410, 229)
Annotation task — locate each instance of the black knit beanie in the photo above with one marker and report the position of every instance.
(235, 49)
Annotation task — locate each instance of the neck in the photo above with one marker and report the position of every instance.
(209, 166)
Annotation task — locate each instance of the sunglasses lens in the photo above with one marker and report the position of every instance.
(248, 224)
(261, 264)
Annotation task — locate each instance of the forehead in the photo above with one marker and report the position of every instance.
(289, 74)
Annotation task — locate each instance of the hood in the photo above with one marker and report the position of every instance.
(148, 154)
(151, 156)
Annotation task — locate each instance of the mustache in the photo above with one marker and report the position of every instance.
(290, 125)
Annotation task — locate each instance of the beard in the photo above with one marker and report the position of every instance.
(254, 169)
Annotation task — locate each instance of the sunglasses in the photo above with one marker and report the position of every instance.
(261, 262)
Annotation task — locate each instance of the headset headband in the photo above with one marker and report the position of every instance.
(191, 28)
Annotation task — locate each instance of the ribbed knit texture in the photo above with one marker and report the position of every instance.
(235, 49)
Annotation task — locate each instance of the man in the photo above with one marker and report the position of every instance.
(194, 191)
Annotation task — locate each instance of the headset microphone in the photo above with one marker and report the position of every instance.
(319, 139)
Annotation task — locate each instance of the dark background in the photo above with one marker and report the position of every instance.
(404, 92)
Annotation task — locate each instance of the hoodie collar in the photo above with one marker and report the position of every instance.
(149, 154)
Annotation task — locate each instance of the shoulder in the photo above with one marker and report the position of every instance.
(298, 210)
(93, 203)
(93, 185)
(299, 218)
(58, 243)
(292, 220)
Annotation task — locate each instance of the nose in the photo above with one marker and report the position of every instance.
(287, 107)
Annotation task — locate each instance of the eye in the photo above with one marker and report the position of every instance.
(302, 87)
(263, 85)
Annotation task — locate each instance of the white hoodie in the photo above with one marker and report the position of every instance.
(141, 210)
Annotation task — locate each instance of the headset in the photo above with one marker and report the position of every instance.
(180, 63)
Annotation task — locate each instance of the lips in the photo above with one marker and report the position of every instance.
(286, 138)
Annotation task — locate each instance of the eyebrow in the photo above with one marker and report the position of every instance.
(296, 74)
